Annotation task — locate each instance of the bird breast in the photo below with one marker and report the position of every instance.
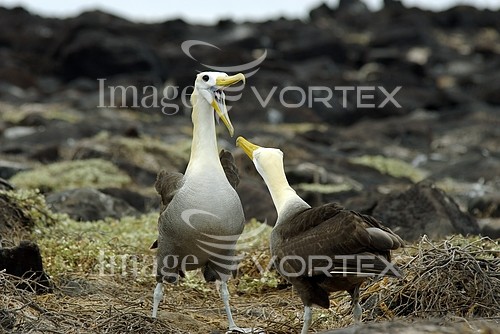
(202, 211)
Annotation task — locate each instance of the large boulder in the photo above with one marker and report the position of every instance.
(88, 204)
(423, 209)
(263, 209)
(100, 45)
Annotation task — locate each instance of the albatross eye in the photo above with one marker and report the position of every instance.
(205, 78)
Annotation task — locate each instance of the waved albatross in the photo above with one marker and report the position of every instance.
(202, 217)
(322, 249)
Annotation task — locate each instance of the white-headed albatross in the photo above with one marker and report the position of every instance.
(202, 217)
(322, 249)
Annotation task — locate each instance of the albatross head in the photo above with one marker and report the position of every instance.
(265, 159)
(269, 163)
(209, 86)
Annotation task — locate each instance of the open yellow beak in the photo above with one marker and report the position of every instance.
(246, 146)
(219, 105)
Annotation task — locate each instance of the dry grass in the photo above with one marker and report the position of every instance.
(98, 306)
(456, 277)
(111, 305)
(449, 279)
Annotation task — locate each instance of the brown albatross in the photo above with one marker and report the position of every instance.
(322, 249)
(202, 216)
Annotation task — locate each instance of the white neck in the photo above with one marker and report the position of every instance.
(204, 152)
(285, 199)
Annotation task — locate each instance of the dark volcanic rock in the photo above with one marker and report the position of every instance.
(96, 45)
(447, 124)
(24, 38)
(10, 168)
(467, 17)
(95, 54)
(25, 261)
(88, 204)
(423, 209)
(46, 153)
(408, 47)
(86, 150)
(42, 143)
(486, 206)
(472, 168)
(137, 201)
(490, 227)
(262, 209)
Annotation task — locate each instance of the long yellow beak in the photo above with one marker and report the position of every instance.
(230, 80)
(246, 146)
(220, 105)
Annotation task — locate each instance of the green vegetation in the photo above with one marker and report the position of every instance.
(107, 247)
(52, 112)
(147, 152)
(72, 174)
(325, 188)
(390, 166)
(120, 248)
(105, 272)
(31, 204)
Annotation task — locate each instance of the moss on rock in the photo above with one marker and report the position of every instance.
(72, 174)
(145, 152)
(324, 188)
(20, 211)
(390, 166)
(15, 114)
(105, 247)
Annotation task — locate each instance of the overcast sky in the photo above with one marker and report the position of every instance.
(203, 11)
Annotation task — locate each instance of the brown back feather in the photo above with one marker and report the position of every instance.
(167, 184)
(332, 230)
(230, 169)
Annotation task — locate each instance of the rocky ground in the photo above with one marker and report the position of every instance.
(429, 167)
